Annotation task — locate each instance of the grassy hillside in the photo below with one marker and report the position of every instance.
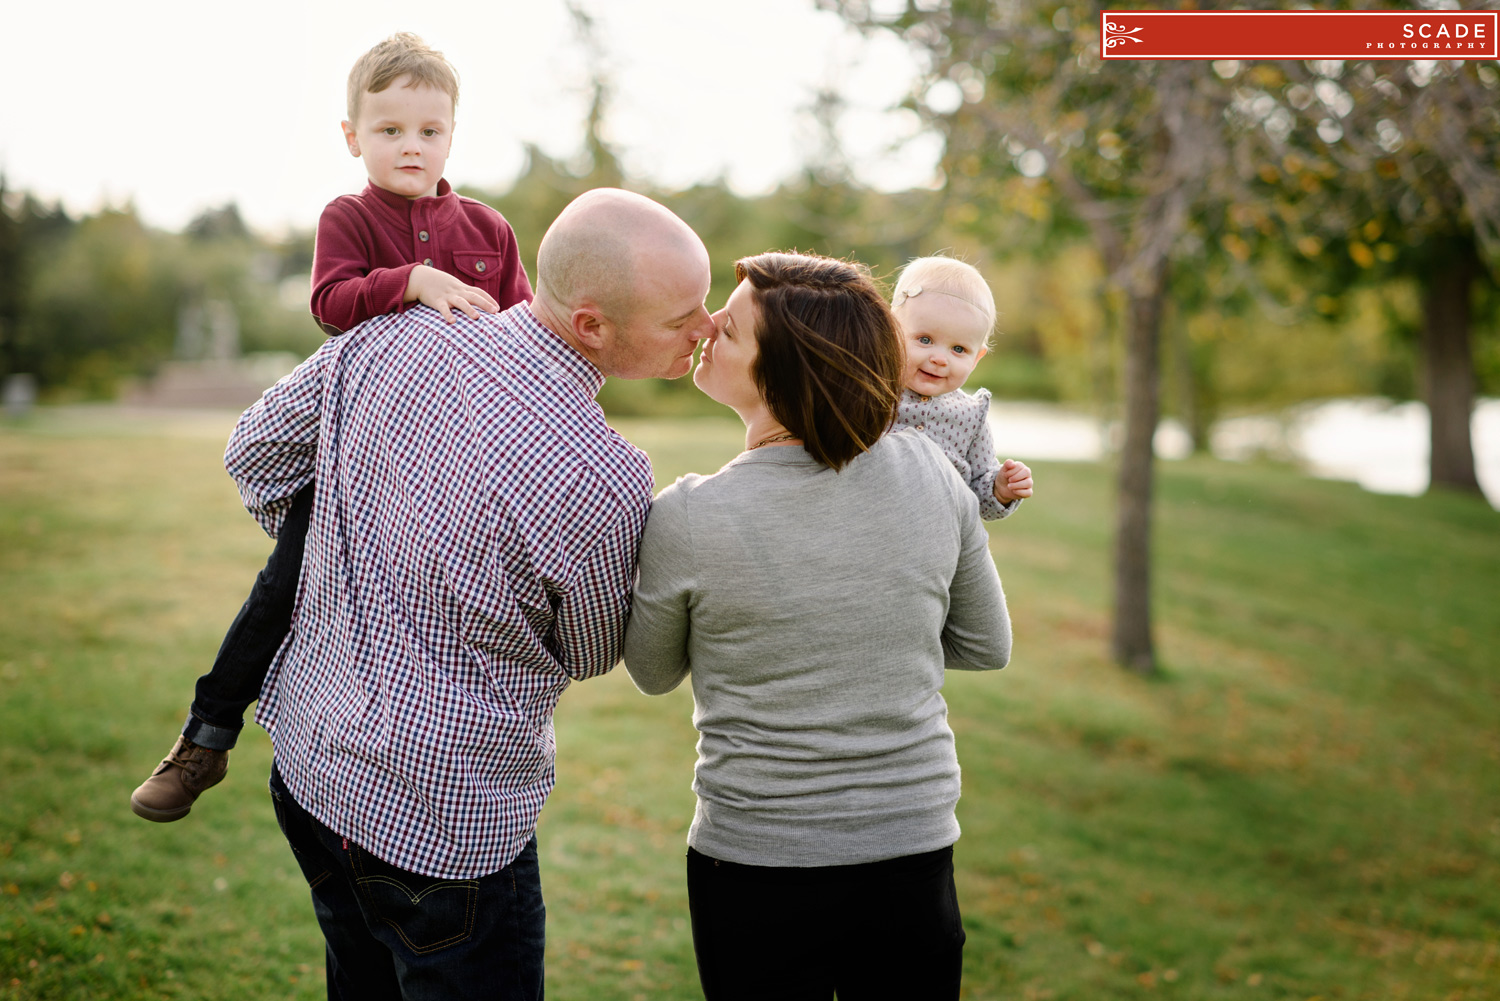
(1306, 803)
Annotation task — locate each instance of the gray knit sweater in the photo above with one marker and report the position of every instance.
(815, 612)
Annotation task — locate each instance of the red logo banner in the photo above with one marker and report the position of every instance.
(1299, 34)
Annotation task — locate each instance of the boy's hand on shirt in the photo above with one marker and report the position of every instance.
(445, 293)
(1013, 483)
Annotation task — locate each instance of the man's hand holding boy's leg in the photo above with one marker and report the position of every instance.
(445, 293)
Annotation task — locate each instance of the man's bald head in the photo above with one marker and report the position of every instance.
(598, 251)
(623, 280)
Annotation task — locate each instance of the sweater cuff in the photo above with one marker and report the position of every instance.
(389, 292)
(991, 508)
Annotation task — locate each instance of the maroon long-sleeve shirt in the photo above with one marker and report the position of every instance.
(368, 244)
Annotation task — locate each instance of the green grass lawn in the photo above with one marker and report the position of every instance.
(1306, 804)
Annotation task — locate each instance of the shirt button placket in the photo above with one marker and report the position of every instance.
(422, 224)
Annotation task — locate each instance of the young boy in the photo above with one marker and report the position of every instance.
(405, 239)
(946, 312)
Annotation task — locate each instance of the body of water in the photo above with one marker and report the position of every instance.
(1379, 444)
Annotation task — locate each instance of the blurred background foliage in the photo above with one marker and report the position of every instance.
(1327, 203)
(1220, 200)
(88, 302)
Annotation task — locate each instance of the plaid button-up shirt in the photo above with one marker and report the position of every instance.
(472, 548)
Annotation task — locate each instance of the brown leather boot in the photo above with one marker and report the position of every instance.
(181, 777)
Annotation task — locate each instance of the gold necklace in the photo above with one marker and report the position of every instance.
(783, 436)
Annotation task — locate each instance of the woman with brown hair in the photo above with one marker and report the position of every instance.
(815, 589)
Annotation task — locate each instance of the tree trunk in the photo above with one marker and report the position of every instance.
(1188, 383)
(1448, 370)
(1133, 648)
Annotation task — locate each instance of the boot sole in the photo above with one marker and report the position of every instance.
(158, 816)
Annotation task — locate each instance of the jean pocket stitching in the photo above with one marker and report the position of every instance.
(416, 898)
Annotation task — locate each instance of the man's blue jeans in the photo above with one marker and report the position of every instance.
(393, 934)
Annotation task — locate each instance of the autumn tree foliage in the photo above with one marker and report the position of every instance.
(1130, 152)
(1175, 170)
(1390, 169)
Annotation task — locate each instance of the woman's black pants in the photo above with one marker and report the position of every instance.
(888, 929)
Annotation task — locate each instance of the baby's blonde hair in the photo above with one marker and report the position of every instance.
(403, 54)
(947, 276)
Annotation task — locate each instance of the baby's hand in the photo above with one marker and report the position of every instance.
(445, 293)
(1013, 483)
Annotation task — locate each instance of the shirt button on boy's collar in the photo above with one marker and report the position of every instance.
(925, 399)
(422, 236)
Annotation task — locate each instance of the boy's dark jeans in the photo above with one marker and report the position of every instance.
(223, 694)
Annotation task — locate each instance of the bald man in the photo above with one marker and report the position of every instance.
(471, 550)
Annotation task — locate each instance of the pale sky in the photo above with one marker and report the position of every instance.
(184, 106)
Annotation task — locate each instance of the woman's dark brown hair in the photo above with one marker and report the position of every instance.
(830, 357)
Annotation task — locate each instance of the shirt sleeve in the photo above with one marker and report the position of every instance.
(976, 635)
(590, 624)
(273, 450)
(346, 291)
(984, 466)
(515, 288)
(656, 654)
